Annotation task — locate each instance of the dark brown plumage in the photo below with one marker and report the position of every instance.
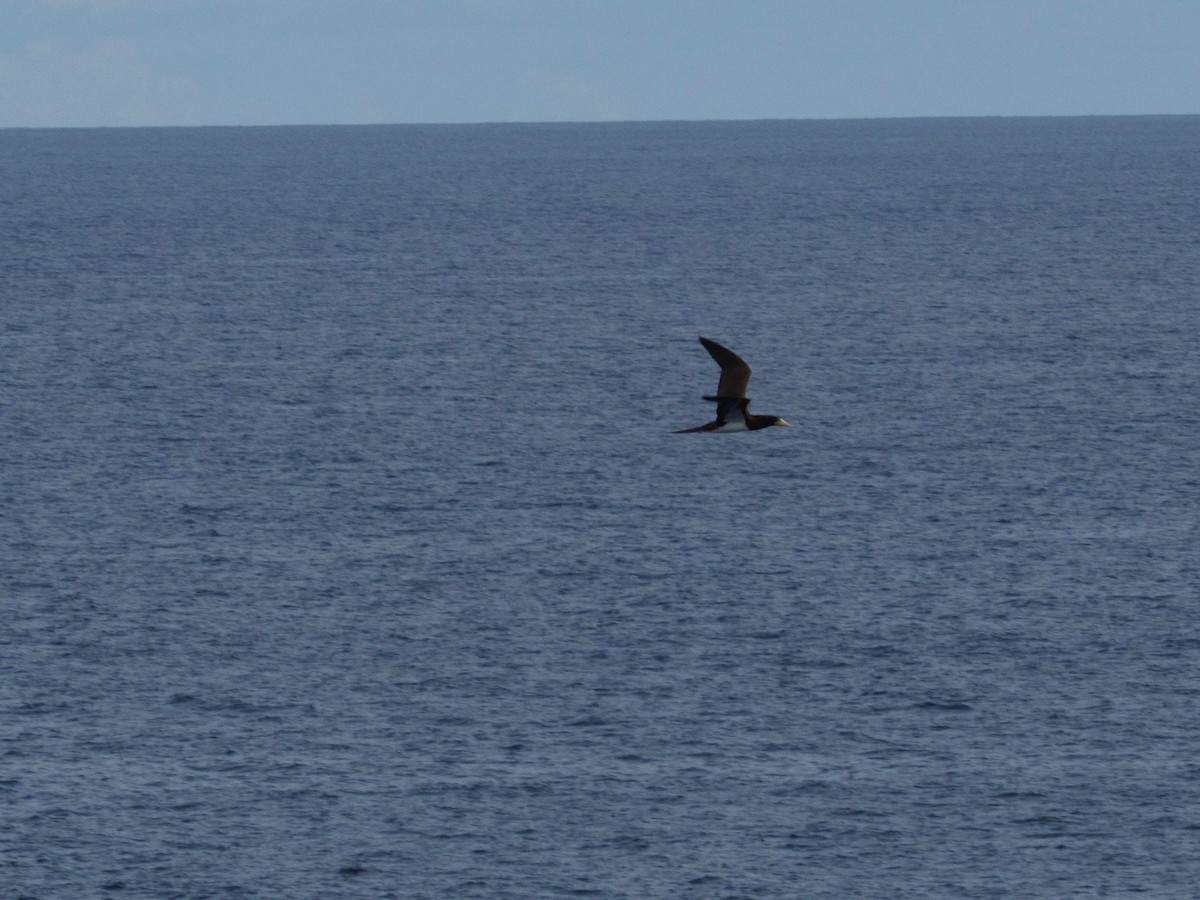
(733, 413)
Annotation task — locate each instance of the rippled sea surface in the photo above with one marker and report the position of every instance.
(346, 550)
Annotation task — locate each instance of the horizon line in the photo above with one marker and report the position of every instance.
(602, 122)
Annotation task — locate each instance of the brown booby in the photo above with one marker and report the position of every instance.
(733, 413)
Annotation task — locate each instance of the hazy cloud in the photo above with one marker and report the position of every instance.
(179, 62)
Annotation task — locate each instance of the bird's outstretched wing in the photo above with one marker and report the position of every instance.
(735, 374)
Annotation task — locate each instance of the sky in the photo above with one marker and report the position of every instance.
(86, 63)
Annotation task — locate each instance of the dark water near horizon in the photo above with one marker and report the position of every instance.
(345, 550)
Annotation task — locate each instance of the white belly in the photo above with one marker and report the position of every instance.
(736, 422)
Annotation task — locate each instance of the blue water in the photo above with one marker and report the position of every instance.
(345, 550)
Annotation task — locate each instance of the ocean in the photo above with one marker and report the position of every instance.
(346, 549)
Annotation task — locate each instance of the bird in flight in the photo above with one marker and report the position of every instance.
(733, 406)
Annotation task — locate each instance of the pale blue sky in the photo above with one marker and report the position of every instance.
(244, 62)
